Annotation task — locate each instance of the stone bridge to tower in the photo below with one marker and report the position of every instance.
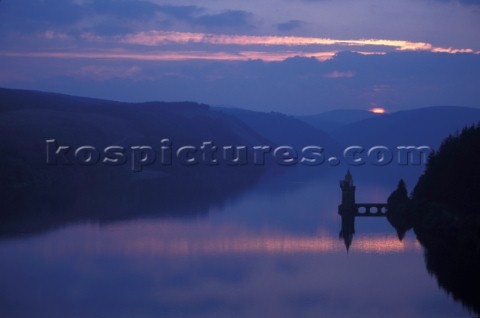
(349, 208)
(370, 209)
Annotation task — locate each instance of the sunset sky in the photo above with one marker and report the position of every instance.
(293, 56)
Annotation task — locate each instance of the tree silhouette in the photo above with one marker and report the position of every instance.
(398, 205)
(445, 213)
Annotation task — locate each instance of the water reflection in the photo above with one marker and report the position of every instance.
(266, 253)
(196, 269)
(169, 238)
(452, 261)
(456, 271)
(33, 210)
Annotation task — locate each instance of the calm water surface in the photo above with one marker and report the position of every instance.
(273, 251)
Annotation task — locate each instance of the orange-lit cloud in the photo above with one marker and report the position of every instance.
(155, 38)
(175, 56)
(452, 50)
(370, 53)
(220, 47)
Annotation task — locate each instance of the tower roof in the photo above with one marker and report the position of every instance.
(348, 178)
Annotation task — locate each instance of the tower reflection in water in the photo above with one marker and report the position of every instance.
(349, 209)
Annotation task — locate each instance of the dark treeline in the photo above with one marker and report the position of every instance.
(444, 211)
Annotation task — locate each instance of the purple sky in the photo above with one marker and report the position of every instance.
(241, 53)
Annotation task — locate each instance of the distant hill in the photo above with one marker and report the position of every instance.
(61, 114)
(336, 119)
(423, 126)
(282, 129)
(28, 119)
(47, 195)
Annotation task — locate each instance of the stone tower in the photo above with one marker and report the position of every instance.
(347, 207)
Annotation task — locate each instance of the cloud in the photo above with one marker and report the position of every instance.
(114, 16)
(156, 38)
(124, 8)
(32, 15)
(51, 34)
(289, 25)
(396, 80)
(104, 73)
(123, 17)
(471, 2)
(231, 18)
(337, 74)
(171, 46)
(465, 2)
(169, 14)
(173, 55)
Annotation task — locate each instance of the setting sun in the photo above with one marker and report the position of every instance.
(378, 110)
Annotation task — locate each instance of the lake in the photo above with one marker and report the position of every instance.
(272, 250)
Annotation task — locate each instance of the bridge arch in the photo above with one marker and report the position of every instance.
(370, 209)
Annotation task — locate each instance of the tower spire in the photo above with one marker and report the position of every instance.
(349, 178)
